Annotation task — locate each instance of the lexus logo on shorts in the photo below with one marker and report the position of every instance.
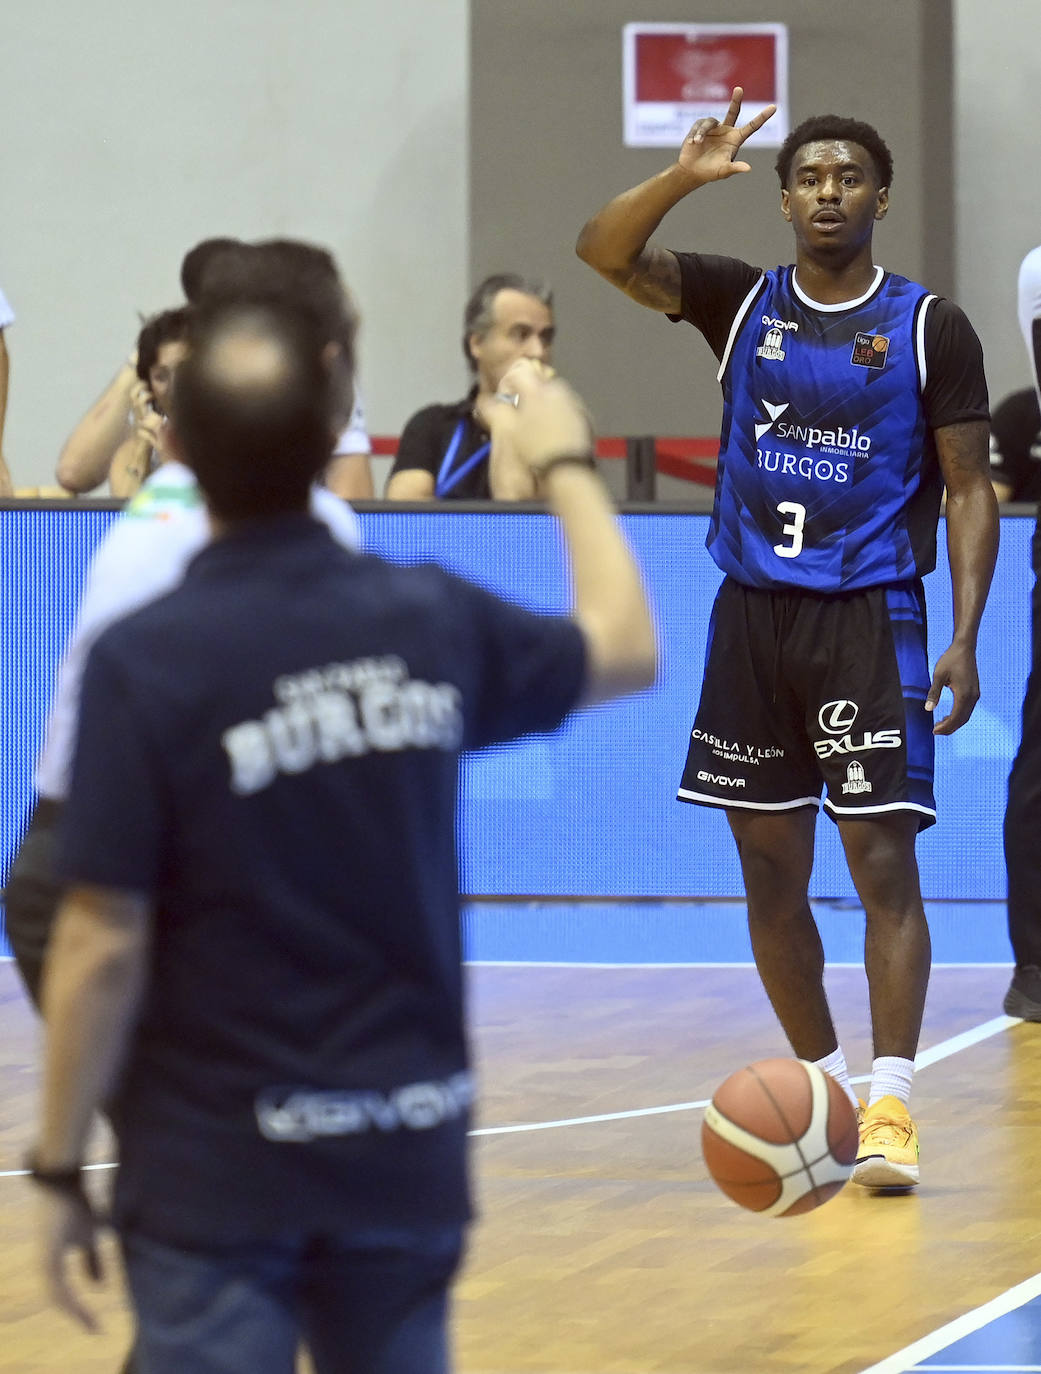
(836, 717)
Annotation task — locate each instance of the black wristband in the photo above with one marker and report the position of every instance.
(582, 460)
(67, 1181)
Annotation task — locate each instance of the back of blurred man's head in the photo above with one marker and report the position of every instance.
(253, 406)
(280, 271)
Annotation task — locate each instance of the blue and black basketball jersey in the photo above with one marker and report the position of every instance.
(828, 478)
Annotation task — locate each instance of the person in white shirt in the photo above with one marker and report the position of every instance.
(144, 555)
(6, 319)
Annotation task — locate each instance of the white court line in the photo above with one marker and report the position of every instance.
(591, 1120)
(938, 1052)
(24, 1173)
(923, 1060)
(706, 964)
(964, 1041)
(905, 1360)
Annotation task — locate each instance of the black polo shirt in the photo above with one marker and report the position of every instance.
(447, 442)
(271, 750)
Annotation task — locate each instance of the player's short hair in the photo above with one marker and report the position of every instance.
(168, 326)
(200, 261)
(304, 276)
(831, 127)
(479, 315)
(253, 406)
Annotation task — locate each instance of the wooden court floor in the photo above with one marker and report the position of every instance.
(602, 1246)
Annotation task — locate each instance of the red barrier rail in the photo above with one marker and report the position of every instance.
(689, 459)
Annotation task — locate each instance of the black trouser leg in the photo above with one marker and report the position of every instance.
(1023, 813)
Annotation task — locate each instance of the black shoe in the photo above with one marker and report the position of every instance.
(1023, 998)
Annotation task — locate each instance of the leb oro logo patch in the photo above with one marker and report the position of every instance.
(870, 350)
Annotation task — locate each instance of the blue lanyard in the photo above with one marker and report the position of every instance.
(446, 478)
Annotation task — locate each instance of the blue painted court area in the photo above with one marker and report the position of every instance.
(1002, 1335)
(700, 932)
(696, 932)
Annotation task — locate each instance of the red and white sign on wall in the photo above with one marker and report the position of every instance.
(674, 74)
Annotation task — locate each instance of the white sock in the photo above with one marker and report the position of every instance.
(891, 1077)
(835, 1064)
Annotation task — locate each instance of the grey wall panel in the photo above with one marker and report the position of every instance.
(546, 151)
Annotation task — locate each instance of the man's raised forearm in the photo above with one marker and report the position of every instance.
(613, 239)
(610, 603)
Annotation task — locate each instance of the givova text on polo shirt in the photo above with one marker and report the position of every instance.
(342, 711)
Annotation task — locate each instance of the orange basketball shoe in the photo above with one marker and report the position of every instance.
(888, 1153)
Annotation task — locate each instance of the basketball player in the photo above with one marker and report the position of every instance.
(257, 965)
(850, 396)
(1023, 813)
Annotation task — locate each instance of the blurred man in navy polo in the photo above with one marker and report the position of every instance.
(256, 967)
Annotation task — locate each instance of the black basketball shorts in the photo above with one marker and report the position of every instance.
(805, 692)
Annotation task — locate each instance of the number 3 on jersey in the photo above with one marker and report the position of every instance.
(793, 530)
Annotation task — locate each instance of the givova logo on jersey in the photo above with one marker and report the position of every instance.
(772, 346)
(836, 719)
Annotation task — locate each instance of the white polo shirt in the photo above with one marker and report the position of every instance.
(355, 438)
(7, 314)
(1030, 311)
(142, 556)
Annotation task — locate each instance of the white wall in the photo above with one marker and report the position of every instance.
(998, 171)
(129, 132)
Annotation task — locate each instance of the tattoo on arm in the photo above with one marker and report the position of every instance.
(964, 452)
(655, 281)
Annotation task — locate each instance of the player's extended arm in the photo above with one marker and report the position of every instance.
(92, 989)
(972, 546)
(87, 453)
(615, 240)
(610, 604)
(5, 373)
